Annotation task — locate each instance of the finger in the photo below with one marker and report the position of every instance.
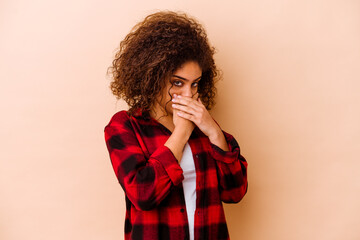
(187, 101)
(185, 115)
(199, 101)
(196, 96)
(184, 108)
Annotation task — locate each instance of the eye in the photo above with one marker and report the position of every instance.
(177, 83)
(195, 84)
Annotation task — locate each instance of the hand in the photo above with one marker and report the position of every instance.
(182, 123)
(192, 109)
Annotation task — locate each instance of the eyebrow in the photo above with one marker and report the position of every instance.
(185, 78)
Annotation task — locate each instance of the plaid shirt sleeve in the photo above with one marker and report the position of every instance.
(146, 182)
(231, 170)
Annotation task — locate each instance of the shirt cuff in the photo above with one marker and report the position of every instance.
(224, 156)
(164, 155)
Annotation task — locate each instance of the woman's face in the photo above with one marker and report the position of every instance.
(184, 81)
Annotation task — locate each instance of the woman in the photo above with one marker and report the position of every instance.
(173, 161)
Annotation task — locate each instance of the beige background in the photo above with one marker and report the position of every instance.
(290, 96)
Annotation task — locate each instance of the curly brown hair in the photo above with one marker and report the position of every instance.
(153, 50)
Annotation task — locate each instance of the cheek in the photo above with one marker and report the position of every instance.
(173, 91)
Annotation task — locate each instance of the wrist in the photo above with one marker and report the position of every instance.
(176, 142)
(182, 131)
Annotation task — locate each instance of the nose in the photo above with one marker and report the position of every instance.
(187, 91)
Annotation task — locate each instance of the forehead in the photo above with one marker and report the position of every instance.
(189, 71)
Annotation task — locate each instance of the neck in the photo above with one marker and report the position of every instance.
(160, 115)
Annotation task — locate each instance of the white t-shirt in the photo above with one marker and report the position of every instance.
(189, 186)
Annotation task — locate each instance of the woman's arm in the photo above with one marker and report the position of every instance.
(146, 182)
(179, 137)
(218, 139)
(176, 142)
(231, 170)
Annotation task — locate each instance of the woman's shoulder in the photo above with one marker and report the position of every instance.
(119, 119)
(120, 115)
(124, 117)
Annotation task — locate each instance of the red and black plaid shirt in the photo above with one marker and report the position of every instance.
(152, 178)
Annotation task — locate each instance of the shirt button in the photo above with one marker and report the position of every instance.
(197, 156)
(182, 210)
